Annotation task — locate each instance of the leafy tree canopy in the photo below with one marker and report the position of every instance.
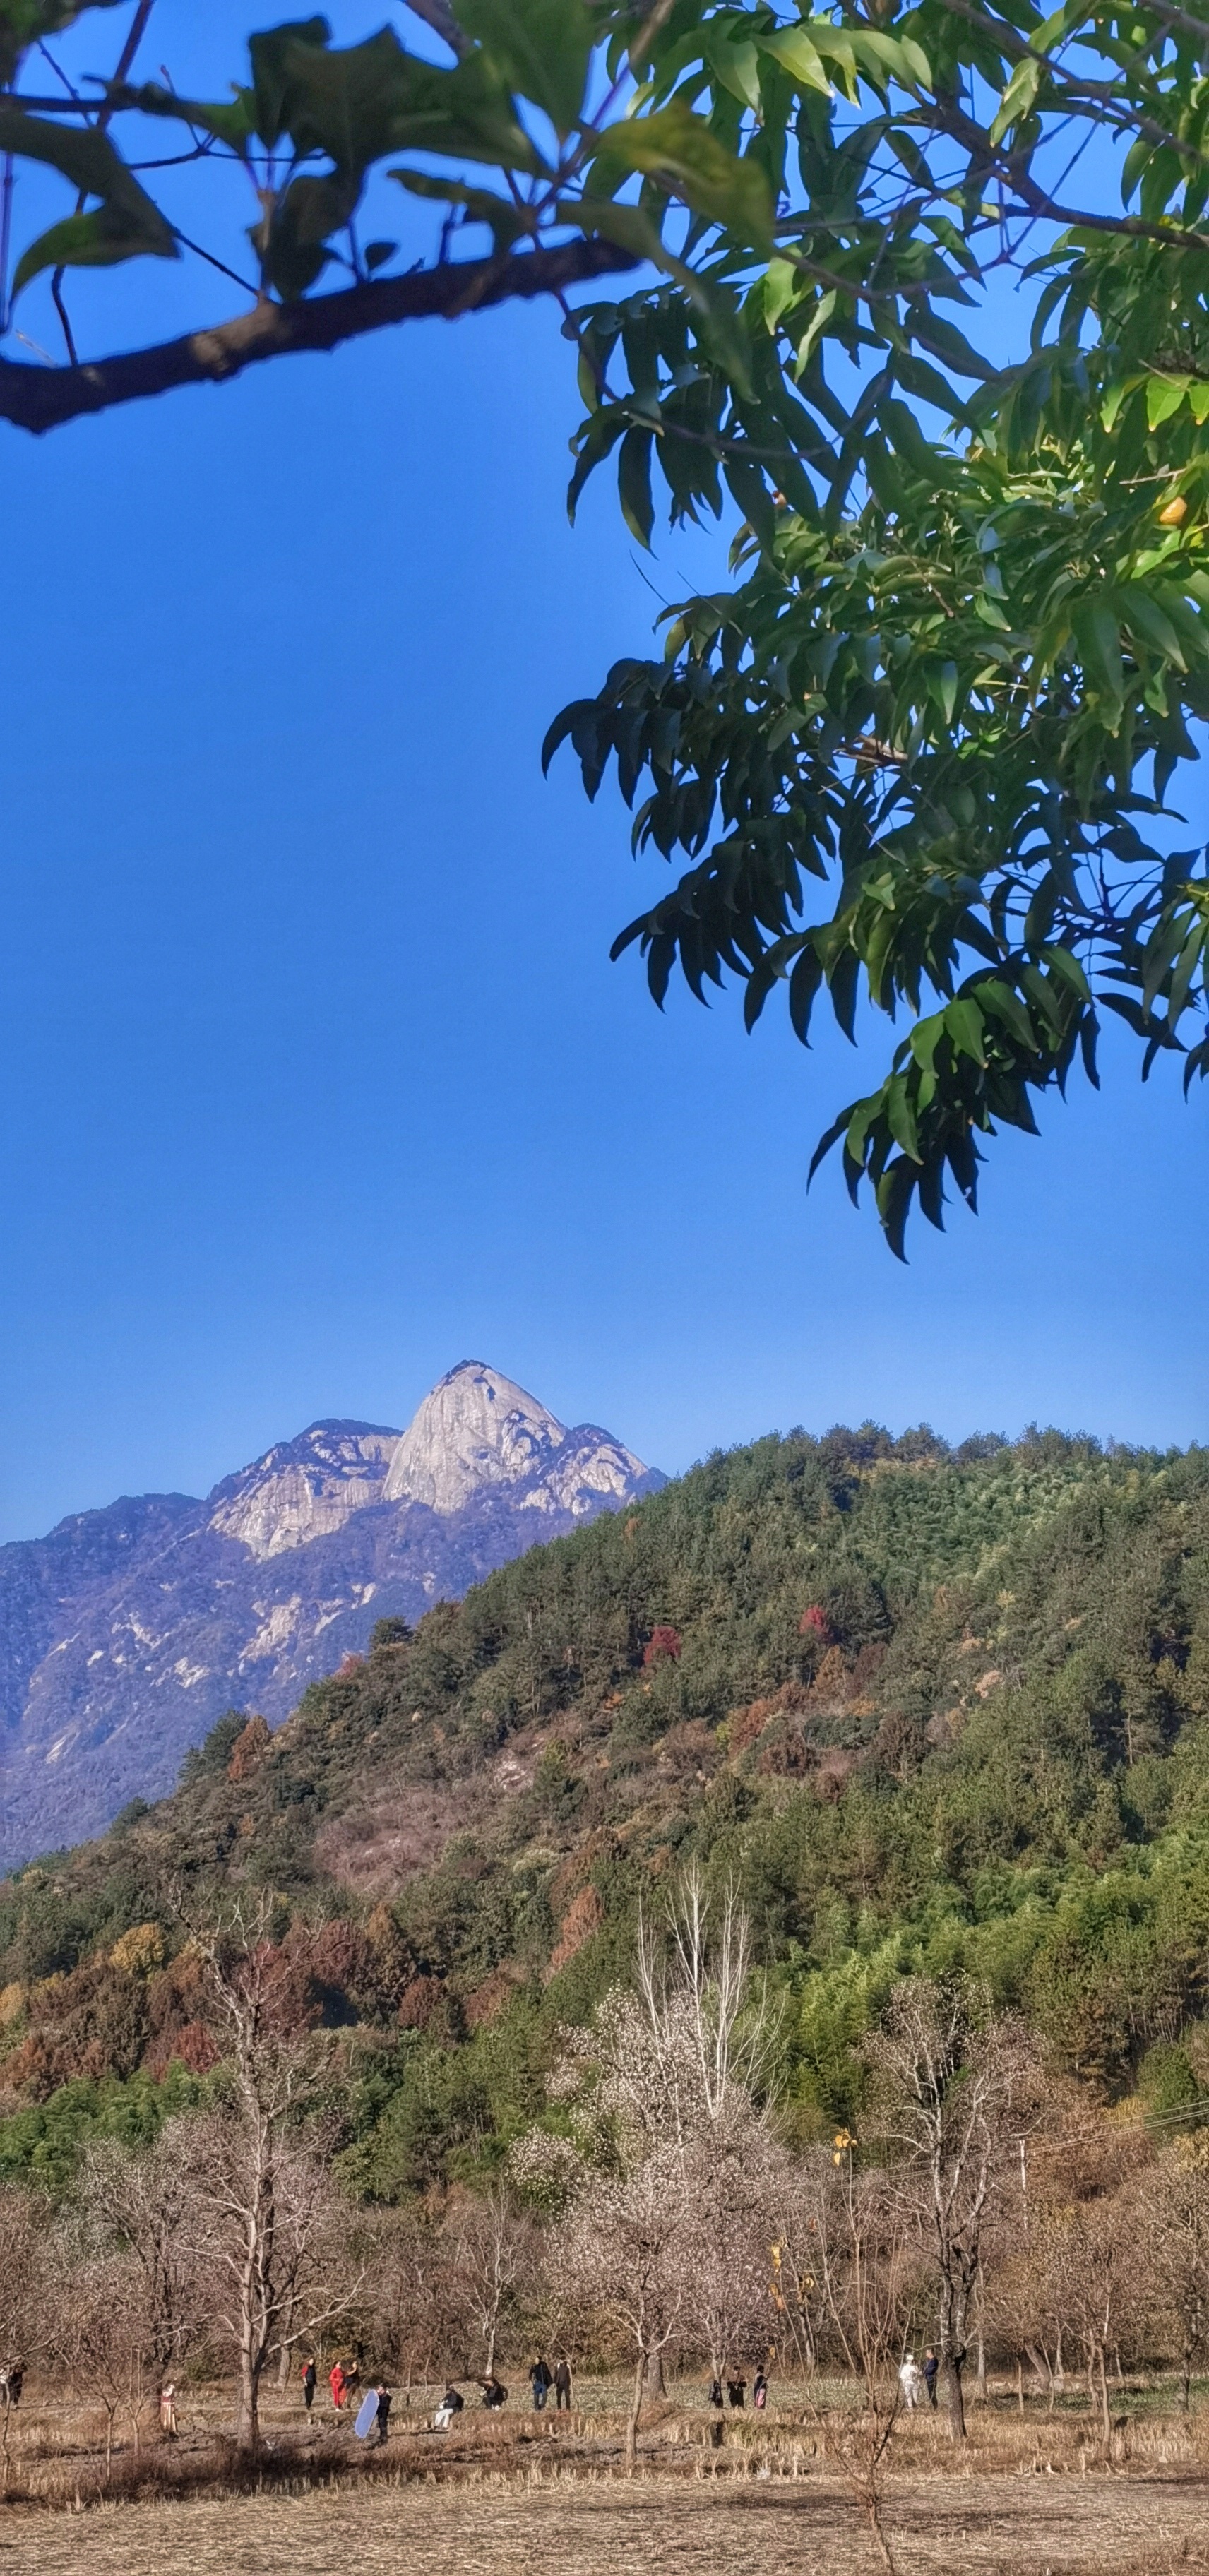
(922, 753)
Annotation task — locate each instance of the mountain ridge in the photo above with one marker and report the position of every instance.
(127, 1631)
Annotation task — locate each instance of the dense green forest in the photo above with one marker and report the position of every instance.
(933, 1709)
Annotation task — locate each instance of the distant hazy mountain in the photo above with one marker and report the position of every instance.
(127, 1631)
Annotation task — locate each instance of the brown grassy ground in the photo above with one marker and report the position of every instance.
(656, 2526)
(519, 2493)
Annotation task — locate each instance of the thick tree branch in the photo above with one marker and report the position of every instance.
(41, 398)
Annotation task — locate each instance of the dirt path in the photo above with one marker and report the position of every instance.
(1023, 2526)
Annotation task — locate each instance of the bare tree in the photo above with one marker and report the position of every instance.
(1173, 2217)
(23, 2286)
(952, 2097)
(669, 2163)
(491, 2248)
(101, 2330)
(401, 2257)
(863, 2242)
(141, 2204)
(624, 2244)
(265, 2210)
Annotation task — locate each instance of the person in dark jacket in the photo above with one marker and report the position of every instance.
(539, 2381)
(309, 2377)
(931, 2374)
(736, 2389)
(16, 2382)
(759, 2393)
(494, 2392)
(562, 2385)
(382, 2418)
(715, 2392)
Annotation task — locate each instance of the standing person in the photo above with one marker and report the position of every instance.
(309, 2378)
(16, 2382)
(736, 2388)
(539, 2381)
(562, 2385)
(382, 2419)
(910, 2382)
(715, 2393)
(759, 2394)
(931, 2373)
(168, 2411)
(336, 2382)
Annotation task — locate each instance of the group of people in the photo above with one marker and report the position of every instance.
(541, 2380)
(736, 2389)
(916, 2383)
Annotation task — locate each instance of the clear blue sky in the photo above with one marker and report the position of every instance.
(316, 1076)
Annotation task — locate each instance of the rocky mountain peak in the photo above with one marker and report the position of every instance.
(305, 1488)
(478, 1432)
(474, 1428)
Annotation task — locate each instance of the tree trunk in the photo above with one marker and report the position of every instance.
(957, 2412)
(247, 2404)
(1185, 2377)
(654, 2381)
(631, 2430)
(873, 2517)
(491, 2349)
(1020, 2383)
(1105, 2418)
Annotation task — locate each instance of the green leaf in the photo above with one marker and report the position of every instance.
(97, 240)
(634, 484)
(25, 22)
(792, 48)
(676, 145)
(1017, 98)
(132, 224)
(1164, 394)
(543, 46)
(963, 1022)
(271, 56)
(1098, 637)
(231, 121)
(292, 243)
(359, 102)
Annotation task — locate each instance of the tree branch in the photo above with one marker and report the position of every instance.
(42, 398)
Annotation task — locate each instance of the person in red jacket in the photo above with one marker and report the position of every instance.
(335, 2381)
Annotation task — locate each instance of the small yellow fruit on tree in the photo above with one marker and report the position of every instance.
(1175, 513)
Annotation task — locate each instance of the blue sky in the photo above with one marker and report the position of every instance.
(316, 1076)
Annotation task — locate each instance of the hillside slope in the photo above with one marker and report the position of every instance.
(934, 1710)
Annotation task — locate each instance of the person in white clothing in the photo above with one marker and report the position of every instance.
(910, 2381)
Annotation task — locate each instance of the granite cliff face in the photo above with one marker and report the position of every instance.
(127, 1631)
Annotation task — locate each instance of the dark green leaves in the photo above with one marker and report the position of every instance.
(127, 222)
(542, 48)
(680, 147)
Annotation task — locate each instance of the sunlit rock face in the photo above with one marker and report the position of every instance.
(304, 1488)
(477, 1431)
(129, 1630)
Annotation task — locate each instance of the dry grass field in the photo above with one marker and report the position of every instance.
(519, 2495)
(654, 2526)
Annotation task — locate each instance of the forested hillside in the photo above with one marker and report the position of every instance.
(933, 1709)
